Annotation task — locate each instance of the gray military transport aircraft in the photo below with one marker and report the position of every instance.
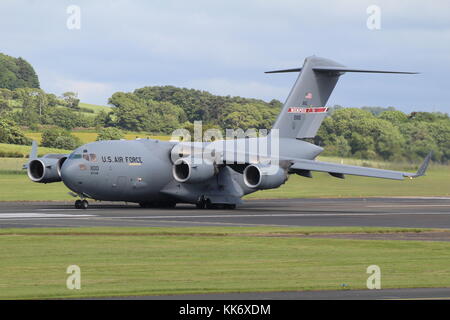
(157, 173)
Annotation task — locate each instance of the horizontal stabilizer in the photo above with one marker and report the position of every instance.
(285, 70)
(341, 69)
(345, 69)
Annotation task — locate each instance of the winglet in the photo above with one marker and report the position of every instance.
(33, 153)
(423, 167)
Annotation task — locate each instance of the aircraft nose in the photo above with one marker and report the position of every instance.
(69, 172)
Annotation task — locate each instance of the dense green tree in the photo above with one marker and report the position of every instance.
(16, 73)
(4, 106)
(26, 117)
(52, 100)
(367, 135)
(394, 116)
(133, 113)
(199, 105)
(104, 119)
(6, 94)
(71, 99)
(10, 133)
(110, 134)
(59, 138)
(130, 111)
(67, 118)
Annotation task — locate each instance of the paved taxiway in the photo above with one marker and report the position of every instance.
(386, 212)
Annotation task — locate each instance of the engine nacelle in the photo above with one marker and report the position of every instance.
(259, 176)
(45, 170)
(185, 170)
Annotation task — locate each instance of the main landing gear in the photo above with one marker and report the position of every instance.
(81, 204)
(206, 204)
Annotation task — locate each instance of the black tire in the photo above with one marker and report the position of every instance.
(84, 204)
(209, 205)
(78, 204)
(143, 204)
(230, 206)
(201, 203)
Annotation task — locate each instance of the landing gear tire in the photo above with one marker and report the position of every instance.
(201, 203)
(84, 204)
(209, 205)
(81, 204)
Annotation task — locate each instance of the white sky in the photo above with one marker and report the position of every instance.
(224, 46)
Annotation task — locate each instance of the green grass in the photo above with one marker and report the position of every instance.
(18, 187)
(153, 261)
(25, 150)
(94, 107)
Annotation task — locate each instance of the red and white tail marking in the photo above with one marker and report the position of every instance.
(307, 110)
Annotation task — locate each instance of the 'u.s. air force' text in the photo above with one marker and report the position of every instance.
(121, 159)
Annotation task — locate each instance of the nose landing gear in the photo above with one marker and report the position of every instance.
(81, 204)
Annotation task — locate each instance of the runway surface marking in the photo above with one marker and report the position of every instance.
(28, 215)
(408, 205)
(65, 209)
(282, 215)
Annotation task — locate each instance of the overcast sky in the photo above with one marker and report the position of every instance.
(225, 46)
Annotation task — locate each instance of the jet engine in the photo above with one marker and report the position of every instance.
(186, 170)
(45, 170)
(264, 176)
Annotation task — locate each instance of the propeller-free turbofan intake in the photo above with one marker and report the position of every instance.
(259, 176)
(45, 170)
(187, 170)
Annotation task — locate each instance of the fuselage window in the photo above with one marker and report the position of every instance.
(93, 157)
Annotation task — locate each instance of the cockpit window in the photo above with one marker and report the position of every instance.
(75, 156)
(93, 157)
(86, 156)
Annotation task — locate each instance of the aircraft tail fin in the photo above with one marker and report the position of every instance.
(304, 109)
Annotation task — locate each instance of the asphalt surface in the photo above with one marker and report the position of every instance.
(383, 212)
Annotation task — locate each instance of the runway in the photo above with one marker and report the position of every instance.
(376, 212)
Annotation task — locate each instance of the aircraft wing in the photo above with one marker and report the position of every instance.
(304, 167)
